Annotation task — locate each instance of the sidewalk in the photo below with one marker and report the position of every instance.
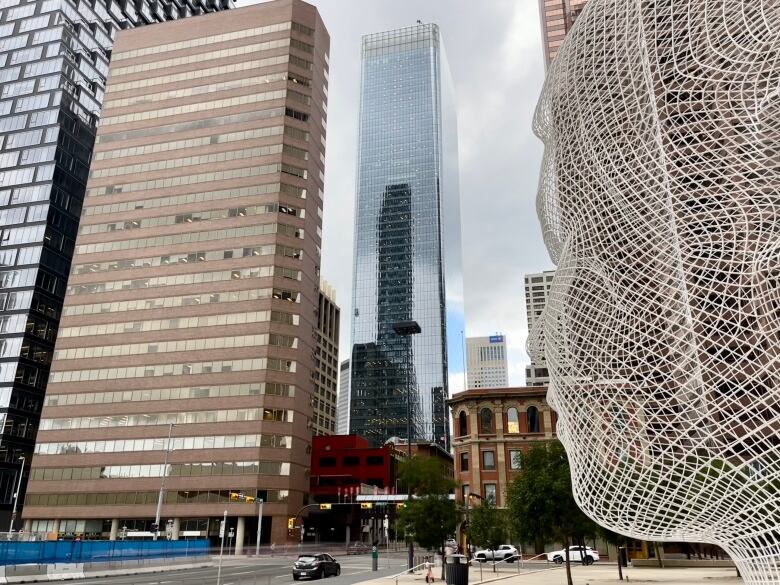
(593, 575)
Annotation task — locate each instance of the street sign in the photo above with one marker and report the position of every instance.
(325, 506)
(366, 506)
(222, 529)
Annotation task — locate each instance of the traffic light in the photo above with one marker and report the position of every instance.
(233, 496)
(155, 527)
(325, 507)
(366, 506)
(290, 523)
(400, 506)
(249, 500)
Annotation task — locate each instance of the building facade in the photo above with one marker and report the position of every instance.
(486, 362)
(492, 428)
(537, 291)
(326, 374)
(189, 327)
(407, 239)
(53, 65)
(557, 17)
(342, 403)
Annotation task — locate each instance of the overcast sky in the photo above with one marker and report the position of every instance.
(495, 55)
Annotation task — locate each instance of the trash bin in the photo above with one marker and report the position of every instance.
(457, 570)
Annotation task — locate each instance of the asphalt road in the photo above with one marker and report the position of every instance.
(264, 571)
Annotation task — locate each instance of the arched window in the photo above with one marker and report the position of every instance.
(486, 419)
(463, 427)
(533, 419)
(512, 421)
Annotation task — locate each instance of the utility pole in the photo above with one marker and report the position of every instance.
(162, 483)
(16, 496)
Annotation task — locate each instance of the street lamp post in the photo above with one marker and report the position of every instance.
(16, 495)
(162, 483)
(407, 329)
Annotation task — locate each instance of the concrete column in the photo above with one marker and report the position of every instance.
(114, 529)
(28, 526)
(56, 528)
(240, 535)
(176, 529)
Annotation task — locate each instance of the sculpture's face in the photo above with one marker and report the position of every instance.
(660, 206)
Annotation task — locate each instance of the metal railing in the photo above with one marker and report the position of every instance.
(511, 559)
(407, 571)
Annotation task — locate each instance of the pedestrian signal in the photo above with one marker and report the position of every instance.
(366, 506)
(290, 523)
(233, 496)
(325, 506)
(249, 500)
(399, 506)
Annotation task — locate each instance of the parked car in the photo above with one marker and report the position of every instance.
(315, 566)
(505, 552)
(358, 548)
(559, 556)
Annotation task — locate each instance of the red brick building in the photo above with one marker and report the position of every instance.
(343, 462)
(492, 427)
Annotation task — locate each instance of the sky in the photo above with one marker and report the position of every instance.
(495, 56)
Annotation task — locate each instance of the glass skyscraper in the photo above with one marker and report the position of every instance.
(54, 57)
(407, 239)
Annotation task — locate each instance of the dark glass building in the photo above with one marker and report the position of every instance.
(407, 240)
(54, 57)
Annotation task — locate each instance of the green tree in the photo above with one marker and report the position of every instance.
(430, 516)
(487, 526)
(541, 503)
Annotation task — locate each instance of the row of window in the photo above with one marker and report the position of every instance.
(487, 423)
(221, 54)
(158, 147)
(214, 176)
(182, 279)
(489, 460)
(189, 237)
(167, 418)
(489, 492)
(200, 197)
(194, 368)
(177, 128)
(156, 97)
(161, 444)
(143, 498)
(181, 323)
(179, 301)
(187, 393)
(206, 469)
(175, 163)
(193, 217)
(352, 461)
(201, 41)
(157, 347)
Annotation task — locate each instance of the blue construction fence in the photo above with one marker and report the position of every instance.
(97, 551)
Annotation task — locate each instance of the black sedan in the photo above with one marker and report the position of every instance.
(315, 566)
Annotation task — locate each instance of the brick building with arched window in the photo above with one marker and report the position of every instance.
(492, 428)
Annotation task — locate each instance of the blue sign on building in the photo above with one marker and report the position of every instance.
(496, 339)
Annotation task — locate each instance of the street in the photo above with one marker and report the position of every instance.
(263, 571)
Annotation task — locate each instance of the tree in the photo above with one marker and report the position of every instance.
(541, 503)
(430, 516)
(487, 526)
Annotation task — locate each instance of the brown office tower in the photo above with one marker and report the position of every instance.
(558, 17)
(191, 310)
(326, 375)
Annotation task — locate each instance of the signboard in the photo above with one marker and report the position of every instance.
(191, 533)
(222, 529)
(496, 339)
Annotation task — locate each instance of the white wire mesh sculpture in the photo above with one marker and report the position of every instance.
(660, 204)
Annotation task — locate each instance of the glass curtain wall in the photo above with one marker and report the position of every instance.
(407, 240)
